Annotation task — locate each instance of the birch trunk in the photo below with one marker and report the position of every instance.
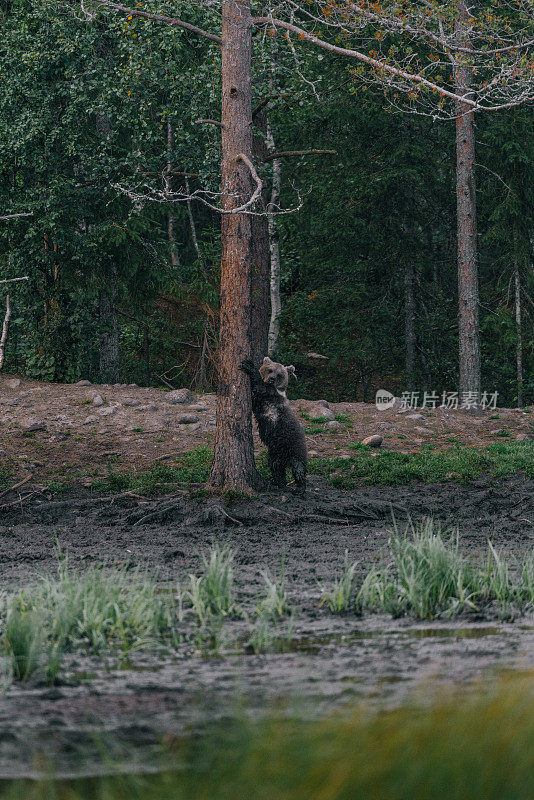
(274, 247)
(171, 220)
(5, 330)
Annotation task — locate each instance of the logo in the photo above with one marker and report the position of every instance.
(384, 400)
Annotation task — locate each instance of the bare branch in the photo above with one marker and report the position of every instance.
(12, 280)
(179, 23)
(13, 216)
(288, 153)
(209, 122)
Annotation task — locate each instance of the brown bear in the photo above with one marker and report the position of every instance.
(279, 429)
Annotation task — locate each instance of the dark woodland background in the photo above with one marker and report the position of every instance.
(84, 108)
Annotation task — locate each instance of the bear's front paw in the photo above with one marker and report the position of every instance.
(248, 366)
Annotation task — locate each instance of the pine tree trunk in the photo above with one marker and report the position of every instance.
(233, 463)
(274, 246)
(409, 322)
(109, 329)
(469, 335)
(519, 332)
(260, 251)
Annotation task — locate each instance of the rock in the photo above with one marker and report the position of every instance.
(334, 425)
(313, 453)
(83, 383)
(523, 437)
(13, 383)
(97, 400)
(420, 429)
(187, 419)
(373, 441)
(319, 411)
(149, 407)
(198, 408)
(32, 425)
(131, 403)
(89, 419)
(317, 357)
(179, 396)
(132, 386)
(414, 416)
(106, 412)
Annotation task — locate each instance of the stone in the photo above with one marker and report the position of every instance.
(198, 408)
(523, 437)
(179, 396)
(132, 386)
(373, 441)
(319, 411)
(32, 425)
(89, 419)
(420, 429)
(334, 425)
(313, 453)
(106, 412)
(316, 357)
(414, 416)
(13, 383)
(187, 419)
(97, 400)
(131, 403)
(83, 383)
(148, 407)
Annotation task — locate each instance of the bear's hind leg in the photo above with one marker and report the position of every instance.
(278, 471)
(298, 468)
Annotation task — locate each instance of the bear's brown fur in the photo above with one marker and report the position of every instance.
(278, 427)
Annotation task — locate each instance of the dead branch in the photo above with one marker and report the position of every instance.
(13, 216)
(12, 280)
(289, 153)
(16, 485)
(209, 122)
(159, 18)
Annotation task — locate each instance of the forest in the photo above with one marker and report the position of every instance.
(101, 142)
(266, 399)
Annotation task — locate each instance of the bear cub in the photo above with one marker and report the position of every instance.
(279, 429)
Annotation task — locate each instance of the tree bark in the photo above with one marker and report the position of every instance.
(233, 463)
(518, 328)
(260, 251)
(5, 329)
(171, 220)
(468, 333)
(274, 246)
(109, 328)
(409, 322)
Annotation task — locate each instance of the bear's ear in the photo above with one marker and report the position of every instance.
(291, 371)
(267, 360)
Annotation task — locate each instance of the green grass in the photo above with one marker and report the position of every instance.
(6, 477)
(192, 467)
(212, 592)
(100, 609)
(340, 596)
(425, 575)
(466, 745)
(460, 463)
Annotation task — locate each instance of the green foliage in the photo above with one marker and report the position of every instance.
(459, 463)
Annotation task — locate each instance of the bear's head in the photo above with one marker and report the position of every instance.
(277, 374)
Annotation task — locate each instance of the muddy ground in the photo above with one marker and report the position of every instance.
(52, 433)
(107, 710)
